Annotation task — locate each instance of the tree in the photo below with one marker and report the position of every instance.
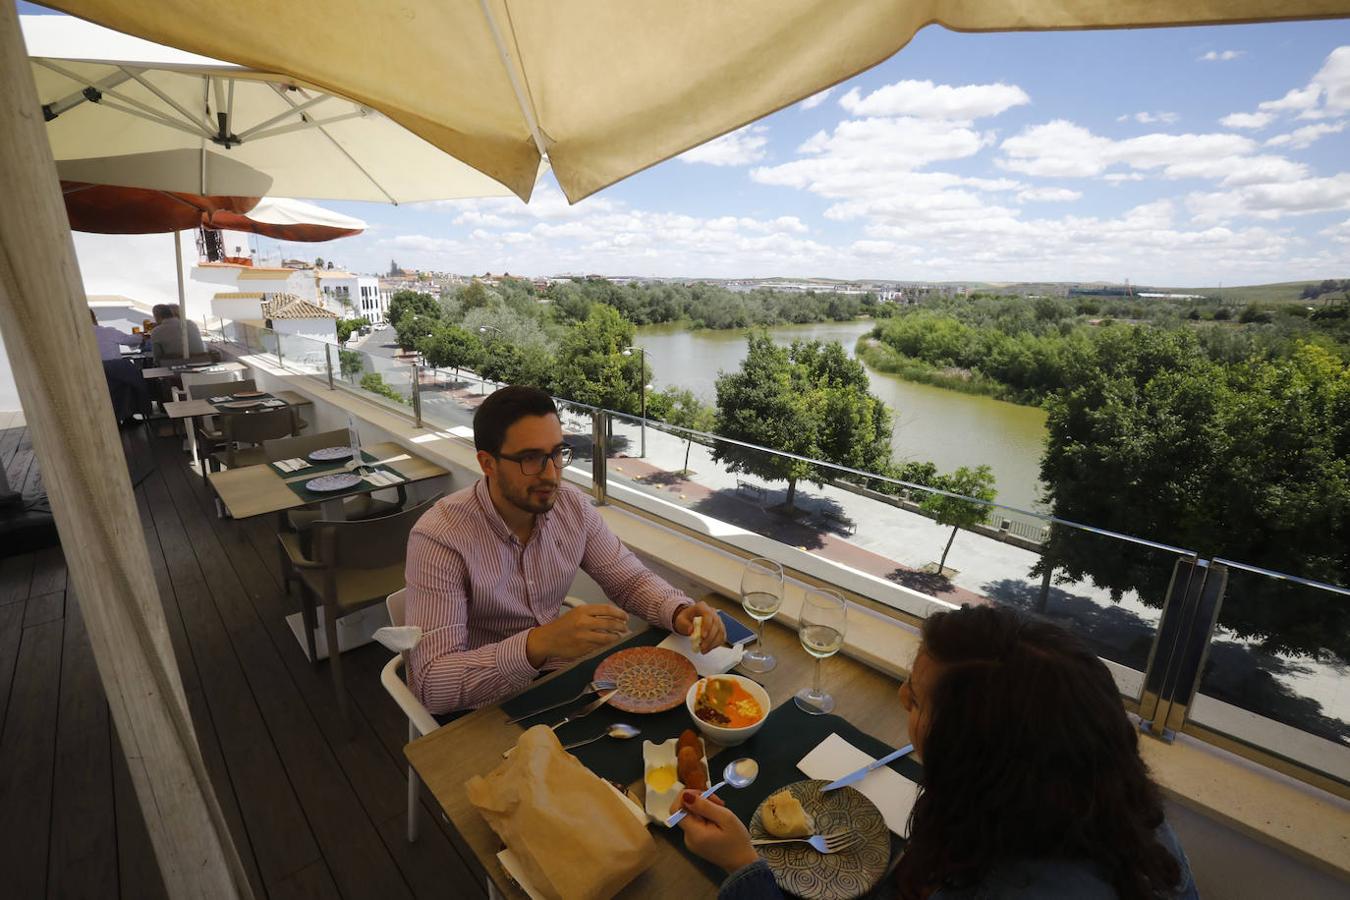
(591, 366)
(351, 363)
(318, 262)
(1248, 461)
(404, 302)
(345, 327)
(473, 295)
(509, 363)
(810, 400)
(681, 408)
(414, 327)
(978, 484)
(450, 346)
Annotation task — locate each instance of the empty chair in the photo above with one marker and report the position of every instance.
(251, 428)
(361, 506)
(206, 431)
(351, 565)
(420, 721)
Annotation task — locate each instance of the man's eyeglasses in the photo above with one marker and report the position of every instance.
(533, 463)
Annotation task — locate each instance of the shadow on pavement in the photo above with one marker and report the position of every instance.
(731, 507)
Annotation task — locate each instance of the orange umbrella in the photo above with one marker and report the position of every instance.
(109, 209)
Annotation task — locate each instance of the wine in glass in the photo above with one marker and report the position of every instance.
(821, 629)
(761, 595)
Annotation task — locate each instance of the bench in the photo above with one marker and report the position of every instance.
(749, 487)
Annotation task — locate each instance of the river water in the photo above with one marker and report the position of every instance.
(947, 427)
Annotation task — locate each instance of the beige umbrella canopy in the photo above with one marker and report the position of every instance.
(604, 88)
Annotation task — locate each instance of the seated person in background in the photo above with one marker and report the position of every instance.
(166, 340)
(1033, 785)
(125, 384)
(489, 566)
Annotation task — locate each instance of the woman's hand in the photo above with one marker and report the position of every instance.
(713, 832)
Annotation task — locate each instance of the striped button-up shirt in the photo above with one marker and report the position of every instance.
(476, 591)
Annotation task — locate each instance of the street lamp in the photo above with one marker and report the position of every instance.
(642, 355)
(484, 329)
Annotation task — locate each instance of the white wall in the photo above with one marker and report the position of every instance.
(238, 309)
(314, 329)
(9, 391)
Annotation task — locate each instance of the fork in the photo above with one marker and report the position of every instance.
(821, 843)
(595, 687)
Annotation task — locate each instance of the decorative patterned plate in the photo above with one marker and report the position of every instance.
(801, 871)
(326, 483)
(242, 404)
(243, 394)
(649, 679)
(331, 454)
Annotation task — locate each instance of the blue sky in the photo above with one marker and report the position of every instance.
(1189, 156)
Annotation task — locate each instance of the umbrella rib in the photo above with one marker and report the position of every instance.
(153, 117)
(343, 150)
(249, 132)
(108, 89)
(70, 101)
(202, 126)
(516, 77)
(308, 123)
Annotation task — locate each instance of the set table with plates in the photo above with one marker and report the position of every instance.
(275, 487)
(792, 751)
(174, 370)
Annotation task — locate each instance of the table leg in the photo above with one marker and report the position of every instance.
(332, 510)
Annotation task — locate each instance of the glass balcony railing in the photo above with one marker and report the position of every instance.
(1189, 640)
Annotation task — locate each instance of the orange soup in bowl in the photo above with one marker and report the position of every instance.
(723, 702)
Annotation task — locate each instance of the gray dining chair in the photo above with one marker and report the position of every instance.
(239, 429)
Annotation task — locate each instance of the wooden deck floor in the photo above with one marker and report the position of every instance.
(313, 813)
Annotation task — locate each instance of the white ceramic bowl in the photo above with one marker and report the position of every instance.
(729, 737)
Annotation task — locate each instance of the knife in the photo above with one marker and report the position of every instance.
(587, 709)
(870, 767)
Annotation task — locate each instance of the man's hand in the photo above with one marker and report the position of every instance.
(579, 632)
(713, 832)
(714, 632)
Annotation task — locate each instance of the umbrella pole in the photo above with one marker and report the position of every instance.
(182, 294)
(65, 400)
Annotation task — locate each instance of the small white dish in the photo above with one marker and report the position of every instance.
(656, 756)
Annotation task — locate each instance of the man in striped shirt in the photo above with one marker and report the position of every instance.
(489, 566)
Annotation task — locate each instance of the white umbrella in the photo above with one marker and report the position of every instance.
(604, 88)
(124, 111)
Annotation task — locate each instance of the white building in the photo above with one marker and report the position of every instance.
(260, 279)
(290, 315)
(351, 295)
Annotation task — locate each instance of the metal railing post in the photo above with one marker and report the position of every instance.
(599, 456)
(1172, 674)
(281, 364)
(417, 394)
(328, 360)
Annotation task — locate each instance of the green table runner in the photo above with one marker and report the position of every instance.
(316, 469)
(305, 494)
(786, 737)
(619, 761)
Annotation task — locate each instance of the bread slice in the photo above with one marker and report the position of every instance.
(784, 817)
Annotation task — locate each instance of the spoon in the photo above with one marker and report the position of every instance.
(739, 773)
(619, 731)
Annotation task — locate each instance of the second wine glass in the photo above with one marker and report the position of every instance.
(761, 595)
(823, 620)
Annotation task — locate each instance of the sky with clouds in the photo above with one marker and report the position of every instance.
(1173, 157)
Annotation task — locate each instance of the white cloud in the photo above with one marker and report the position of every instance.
(1247, 120)
(738, 148)
(816, 99)
(1067, 150)
(1222, 55)
(1275, 200)
(1148, 118)
(1296, 100)
(1048, 195)
(1333, 81)
(923, 99)
(1301, 138)
(1339, 232)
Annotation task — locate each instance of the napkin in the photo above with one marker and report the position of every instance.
(717, 661)
(893, 793)
(220, 399)
(291, 465)
(382, 479)
(274, 402)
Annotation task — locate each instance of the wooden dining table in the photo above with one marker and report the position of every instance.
(191, 409)
(174, 370)
(259, 490)
(474, 744)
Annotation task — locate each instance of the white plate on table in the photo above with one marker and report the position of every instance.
(242, 404)
(331, 454)
(329, 483)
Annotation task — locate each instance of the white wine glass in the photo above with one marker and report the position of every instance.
(821, 629)
(761, 595)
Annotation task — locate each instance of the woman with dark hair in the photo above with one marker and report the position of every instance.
(1033, 784)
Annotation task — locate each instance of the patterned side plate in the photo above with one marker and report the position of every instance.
(329, 454)
(649, 679)
(241, 404)
(245, 394)
(328, 483)
(801, 871)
